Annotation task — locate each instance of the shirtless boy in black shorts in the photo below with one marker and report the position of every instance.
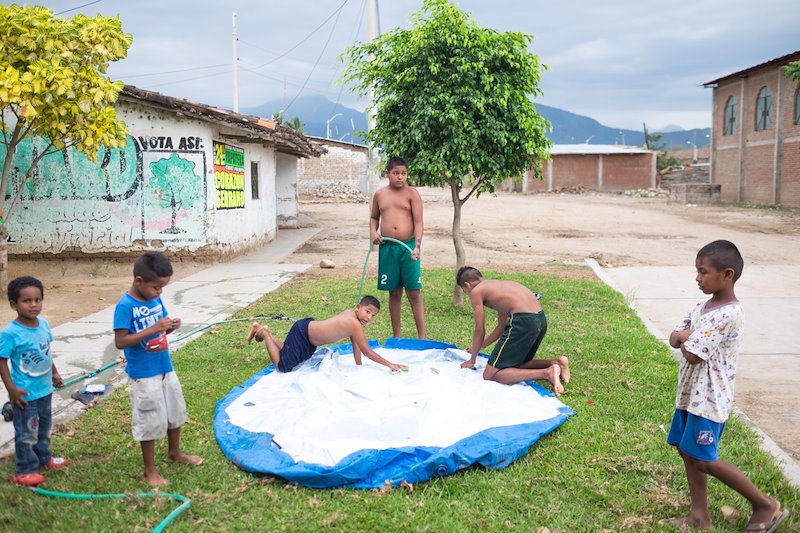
(521, 326)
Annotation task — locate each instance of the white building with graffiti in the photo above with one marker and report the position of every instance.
(191, 179)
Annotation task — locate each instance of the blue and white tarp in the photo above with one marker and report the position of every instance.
(330, 423)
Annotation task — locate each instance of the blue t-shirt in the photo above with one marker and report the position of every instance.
(151, 356)
(29, 352)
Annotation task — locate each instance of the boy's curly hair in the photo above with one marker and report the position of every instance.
(16, 285)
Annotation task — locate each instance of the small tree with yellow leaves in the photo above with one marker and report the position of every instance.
(53, 87)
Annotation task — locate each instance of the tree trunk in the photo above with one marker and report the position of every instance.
(3, 257)
(458, 244)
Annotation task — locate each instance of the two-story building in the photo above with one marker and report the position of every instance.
(755, 146)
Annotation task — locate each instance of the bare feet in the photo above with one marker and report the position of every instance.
(257, 332)
(554, 376)
(181, 457)
(563, 362)
(154, 479)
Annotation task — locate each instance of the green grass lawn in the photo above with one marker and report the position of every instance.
(606, 469)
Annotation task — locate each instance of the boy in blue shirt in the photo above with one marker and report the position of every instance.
(708, 339)
(141, 325)
(26, 343)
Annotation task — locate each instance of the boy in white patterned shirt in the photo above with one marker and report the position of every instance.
(708, 339)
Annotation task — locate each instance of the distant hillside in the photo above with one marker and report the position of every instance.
(314, 113)
(568, 128)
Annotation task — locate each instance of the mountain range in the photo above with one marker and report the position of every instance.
(321, 117)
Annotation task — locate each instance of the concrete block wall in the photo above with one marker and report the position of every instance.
(341, 173)
(694, 193)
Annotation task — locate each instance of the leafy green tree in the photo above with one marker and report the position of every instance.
(663, 161)
(53, 89)
(454, 100)
(793, 70)
(296, 124)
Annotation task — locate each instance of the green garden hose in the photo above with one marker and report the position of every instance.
(185, 502)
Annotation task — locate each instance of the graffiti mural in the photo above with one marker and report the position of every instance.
(153, 188)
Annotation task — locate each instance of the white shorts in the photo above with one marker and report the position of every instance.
(157, 404)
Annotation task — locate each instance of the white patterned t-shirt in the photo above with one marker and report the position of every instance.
(706, 389)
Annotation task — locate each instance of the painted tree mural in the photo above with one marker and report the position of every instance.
(176, 186)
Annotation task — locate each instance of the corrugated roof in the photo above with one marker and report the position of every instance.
(605, 149)
(783, 60)
(252, 128)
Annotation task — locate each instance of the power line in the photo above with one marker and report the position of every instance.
(324, 47)
(285, 80)
(74, 8)
(174, 71)
(228, 70)
(355, 37)
(336, 13)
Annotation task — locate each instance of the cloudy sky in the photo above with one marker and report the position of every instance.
(622, 62)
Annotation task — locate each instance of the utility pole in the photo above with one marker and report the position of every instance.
(235, 73)
(373, 30)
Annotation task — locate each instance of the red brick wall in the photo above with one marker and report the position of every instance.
(758, 171)
(789, 192)
(759, 150)
(790, 173)
(789, 88)
(620, 171)
(537, 185)
(726, 173)
(765, 78)
(627, 171)
(574, 171)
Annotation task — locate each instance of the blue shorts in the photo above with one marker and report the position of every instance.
(296, 348)
(695, 436)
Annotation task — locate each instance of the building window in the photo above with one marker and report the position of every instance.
(254, 188)
(729, 126)
(764, 109)
(797, 106)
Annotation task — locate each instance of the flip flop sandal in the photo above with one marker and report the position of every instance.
(769, 527)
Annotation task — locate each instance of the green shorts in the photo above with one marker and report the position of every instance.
(396, 268)
(519, 341)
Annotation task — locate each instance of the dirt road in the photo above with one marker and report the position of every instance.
(503, 232)
(547, 230)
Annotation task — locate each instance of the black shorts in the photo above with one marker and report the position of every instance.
(520, 340)
(296, 348)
